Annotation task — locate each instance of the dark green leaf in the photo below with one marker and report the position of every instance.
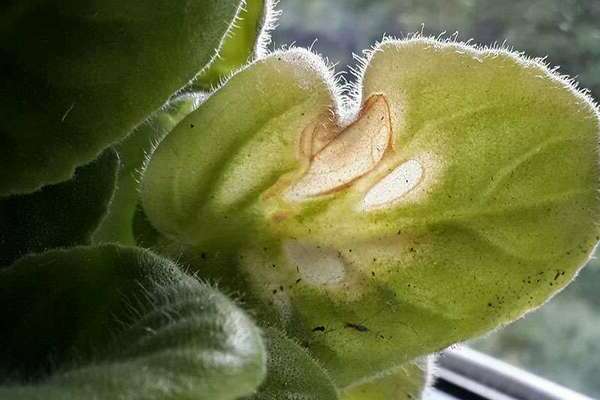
(78, 76)
(64, 214)
(143, 232)
(292, 374)
(113, 322)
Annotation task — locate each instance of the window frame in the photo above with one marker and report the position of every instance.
(466, 374)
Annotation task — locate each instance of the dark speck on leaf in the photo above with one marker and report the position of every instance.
(298, 280)
(191, 125)
(319, 329)
(358, 327)
(203, 255)
(557, 275)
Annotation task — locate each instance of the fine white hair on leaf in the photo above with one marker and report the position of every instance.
(197, 97)
(268, 24)
(228, 33)
(482, 51)
(324, 69)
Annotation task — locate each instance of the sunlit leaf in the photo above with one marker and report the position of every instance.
(114, 322)
(207, 155)
(65, 214)
(462, 194)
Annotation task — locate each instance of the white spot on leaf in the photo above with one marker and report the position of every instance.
(316, 266)
(395, 185)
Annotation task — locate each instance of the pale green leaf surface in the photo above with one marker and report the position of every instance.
(84, 81)
(204, 160)
(463, 195)
(120, 323)
(291, 373)
(61, 215)
(405, 382)
(117, 225)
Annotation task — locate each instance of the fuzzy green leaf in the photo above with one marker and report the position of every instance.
(249, 36)
(208, 151)
(114, 322)
(117, 225)
(84, 81)
(61, 215)
(291, 373)
(462, 195)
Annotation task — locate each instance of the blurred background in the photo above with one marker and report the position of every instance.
(561, 341)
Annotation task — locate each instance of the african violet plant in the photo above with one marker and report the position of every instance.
(153, 150)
